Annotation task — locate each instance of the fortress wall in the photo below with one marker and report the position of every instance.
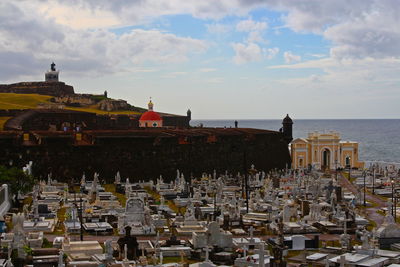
(141, 157)
(43, 88)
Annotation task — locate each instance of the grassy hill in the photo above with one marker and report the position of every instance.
(21, 101)
(28, 101)
(2, 121)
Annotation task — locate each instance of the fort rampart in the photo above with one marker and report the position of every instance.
(144, 153)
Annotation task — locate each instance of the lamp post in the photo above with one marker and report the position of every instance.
(373, 180)
(349, 168)
(395, 207)
(215, 202)
(392, 182)
(246, 186)
(365, 191)
(336, 169)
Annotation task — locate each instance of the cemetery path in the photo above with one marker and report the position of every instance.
(371, 211)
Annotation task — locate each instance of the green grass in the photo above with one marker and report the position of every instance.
(121, 197)
(21, 101)
(3, 121)
(153, 193)
(371, 225)
(61, 215)
(94, 109)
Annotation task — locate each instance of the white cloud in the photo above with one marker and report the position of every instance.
(356, 28)
(250, 25)
(290, 57)
(77, 18)
(271, 52)
(245, 53)
(207, 70)
(254, 29)
(31, 42)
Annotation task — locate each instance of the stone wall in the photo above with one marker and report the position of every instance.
(57, 119)
(77, 99)
(113, 104)
(175, 121)
(145, 154)
(43, 88)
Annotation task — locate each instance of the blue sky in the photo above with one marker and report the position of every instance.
(231, 59)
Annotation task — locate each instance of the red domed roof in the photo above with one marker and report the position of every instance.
(150, 116)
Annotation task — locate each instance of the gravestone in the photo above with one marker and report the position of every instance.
(298, 242)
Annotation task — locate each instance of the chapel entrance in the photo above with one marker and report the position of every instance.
(326, 159)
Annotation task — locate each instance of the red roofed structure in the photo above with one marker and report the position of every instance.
(150, 118)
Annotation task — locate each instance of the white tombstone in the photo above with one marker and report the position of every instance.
(298, 242)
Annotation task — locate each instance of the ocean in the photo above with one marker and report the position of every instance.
(379, 139)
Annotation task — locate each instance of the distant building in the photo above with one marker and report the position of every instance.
(324, 151)
(150, 118)
(52, 74)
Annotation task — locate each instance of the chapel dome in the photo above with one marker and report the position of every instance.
(150, 116)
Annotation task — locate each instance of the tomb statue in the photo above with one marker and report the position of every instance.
(19, 234)
(109, 249)
(83, 180)
(117, 178)
(197, 195)
(128, 245)
(365, 237)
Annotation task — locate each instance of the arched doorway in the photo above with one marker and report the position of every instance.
(326, 159)
(348, 161)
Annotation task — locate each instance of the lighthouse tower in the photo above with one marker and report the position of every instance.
(52, 74)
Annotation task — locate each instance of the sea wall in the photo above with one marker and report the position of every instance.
(145, 154)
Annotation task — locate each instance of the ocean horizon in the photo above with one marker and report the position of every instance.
(379, 139)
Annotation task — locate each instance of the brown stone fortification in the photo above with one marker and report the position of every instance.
(42, 88)
(144, 153)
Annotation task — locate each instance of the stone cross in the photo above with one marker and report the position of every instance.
(126, 252)
(251, 231)
(109, 250)
(261, 253)
(157, 243)
(182, 255)
(207, 250)
(117, 178)
(49, 179)
(342, 261)
(83, 180)
(61, 259)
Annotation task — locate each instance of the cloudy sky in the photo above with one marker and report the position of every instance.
(226, 59)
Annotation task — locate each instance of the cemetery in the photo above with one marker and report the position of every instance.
(280, 218)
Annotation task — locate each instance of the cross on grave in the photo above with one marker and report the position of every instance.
(251, 232)
(207, 250)
(125, 252)
(345, 238)
(157, 243)
(342, 261)
(261, 254)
